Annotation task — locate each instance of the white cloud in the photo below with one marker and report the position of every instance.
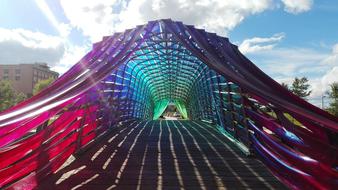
(321, 85)
(94, 18)
(297, 6)
(257, 44)
(22, 46)
(335, 49)
(215, 16)
(289, 62)
(333, 58)
(283, 64)
(72, 55)
(62, 28)
(330, 77)
(98, 18)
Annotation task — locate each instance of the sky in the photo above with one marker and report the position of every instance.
(284, 38)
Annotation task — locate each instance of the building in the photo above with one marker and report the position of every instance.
(24, 76)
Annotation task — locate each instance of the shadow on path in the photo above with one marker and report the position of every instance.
(163, 155)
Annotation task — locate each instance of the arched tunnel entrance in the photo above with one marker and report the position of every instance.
(98, 125)
(161, 71)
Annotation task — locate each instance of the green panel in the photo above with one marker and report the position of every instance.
(160, 107)
(181, 108)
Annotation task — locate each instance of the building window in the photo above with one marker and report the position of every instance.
(5, 77)
(17, 77)
(17, 71)
(6, 71)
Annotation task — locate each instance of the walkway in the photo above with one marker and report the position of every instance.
(163, 155)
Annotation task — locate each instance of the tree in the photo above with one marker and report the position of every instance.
(42, 84)
(285, 85)
(333, 94)
(300, 87)
(8, 96)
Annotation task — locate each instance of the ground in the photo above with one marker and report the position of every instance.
(163, 155)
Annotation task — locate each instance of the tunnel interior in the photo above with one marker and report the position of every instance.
(161, 71)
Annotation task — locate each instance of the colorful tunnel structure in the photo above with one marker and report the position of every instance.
(136, 73)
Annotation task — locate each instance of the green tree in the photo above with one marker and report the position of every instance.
(42, 84)
(300, 87)
(8, 96)
(333, 94)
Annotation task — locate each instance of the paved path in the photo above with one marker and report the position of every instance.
(163, 155)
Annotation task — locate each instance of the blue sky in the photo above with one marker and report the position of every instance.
(285, 38)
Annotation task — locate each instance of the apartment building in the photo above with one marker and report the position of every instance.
(24, 76)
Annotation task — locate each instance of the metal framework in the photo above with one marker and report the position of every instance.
(132, 75)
